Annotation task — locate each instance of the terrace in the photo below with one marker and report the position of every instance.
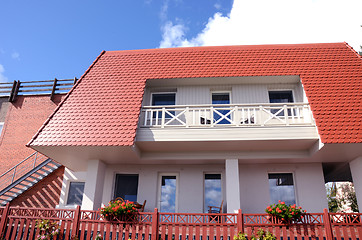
(20, 223)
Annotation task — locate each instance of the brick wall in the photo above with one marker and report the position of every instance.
(23, 119)
(45, 194)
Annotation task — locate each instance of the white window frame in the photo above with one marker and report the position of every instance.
(152, 93)
(203, 184)
(283, 90)
(159, 185)
(225, 91)
(294, 183)
(68, 189)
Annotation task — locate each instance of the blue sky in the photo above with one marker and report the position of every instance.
(44, 39)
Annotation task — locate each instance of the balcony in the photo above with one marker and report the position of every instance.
(226, 115)
(233, 128)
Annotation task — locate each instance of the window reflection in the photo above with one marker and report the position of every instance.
(75, 194)
(212, 192)
(281, 187)
(168, 194)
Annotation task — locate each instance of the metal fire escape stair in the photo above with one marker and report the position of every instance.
(24, 175)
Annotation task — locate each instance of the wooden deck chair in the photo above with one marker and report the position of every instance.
(214, 209)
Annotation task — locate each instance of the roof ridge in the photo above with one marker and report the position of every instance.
(229, 47)
(65, 98)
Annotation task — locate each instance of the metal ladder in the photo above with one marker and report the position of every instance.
(24, 175)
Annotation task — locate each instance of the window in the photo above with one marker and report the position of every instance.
(168, 193)
(75, 193)
(162, 99)
(126, 186)
(1, 127)
(280, 97)
(221, 98)
(212, 192)
(281, 187)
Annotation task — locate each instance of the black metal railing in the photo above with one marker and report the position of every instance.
(43, 87)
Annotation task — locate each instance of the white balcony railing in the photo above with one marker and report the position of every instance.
(237, 115)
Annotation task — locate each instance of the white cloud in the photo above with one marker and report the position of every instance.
(2, 76)
(164, 10)
(275, 22)
(217, 6)
(15, 55)
(173, 35)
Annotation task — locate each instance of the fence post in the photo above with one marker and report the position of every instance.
(240, 221)
(4, 218)
(75, 227)
(327, 224)
(154, 225)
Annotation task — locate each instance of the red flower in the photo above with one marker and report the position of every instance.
(282, 202)
(305, 210)
(292, 213)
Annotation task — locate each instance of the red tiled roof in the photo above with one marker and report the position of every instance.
(103, 108)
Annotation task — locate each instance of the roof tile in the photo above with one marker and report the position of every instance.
(103, 107)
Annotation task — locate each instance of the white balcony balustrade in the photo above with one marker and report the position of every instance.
(227, 115)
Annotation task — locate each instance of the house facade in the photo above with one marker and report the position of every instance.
(239, 127)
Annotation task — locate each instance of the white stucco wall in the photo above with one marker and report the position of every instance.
(68, 177)
(308, 182)
(191, 183)
(253, 182)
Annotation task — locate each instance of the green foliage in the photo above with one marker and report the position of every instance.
(260, 235)
(118, 209)
(285, 213)
(47, 229)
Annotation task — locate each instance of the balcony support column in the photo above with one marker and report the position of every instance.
(93, 189)
(356, 171)
(232, 185)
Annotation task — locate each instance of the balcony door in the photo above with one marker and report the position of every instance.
(221, 98)
(284, 96)
(126, 186)
(168, 192)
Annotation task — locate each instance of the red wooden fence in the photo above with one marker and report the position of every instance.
(19, 223)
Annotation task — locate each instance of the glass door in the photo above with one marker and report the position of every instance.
(221, 98)
(168, 193)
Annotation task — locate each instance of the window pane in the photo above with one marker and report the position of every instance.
(280, 96)
(75, 194)
(212, 192)
(220, 98)
(281, 188)
(126, 186)
(168, 194)
(160, 99)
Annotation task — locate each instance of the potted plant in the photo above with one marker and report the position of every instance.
(285, 213)
(119, 211)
